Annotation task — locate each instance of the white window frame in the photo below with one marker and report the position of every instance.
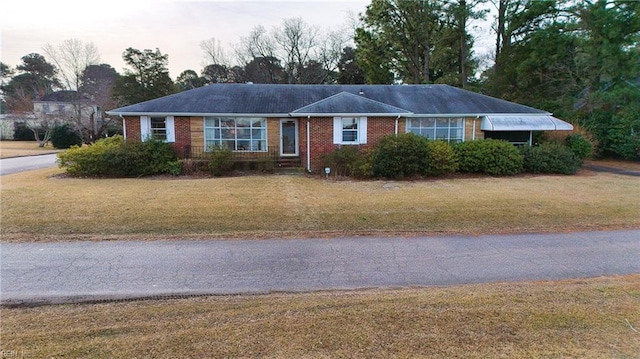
(361, 123)
(145, 128)
(218, 139)
(434, 129)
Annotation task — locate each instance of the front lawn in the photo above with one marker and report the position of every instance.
(40, 206)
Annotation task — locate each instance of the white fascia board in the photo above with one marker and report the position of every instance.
(182, 114)
(476, 114)
(351, 114)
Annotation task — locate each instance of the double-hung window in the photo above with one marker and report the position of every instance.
(446, 129)
(236, 133)
(157, 127)
(350, 130)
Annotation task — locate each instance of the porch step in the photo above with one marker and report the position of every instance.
(289, 166)
(288, 162)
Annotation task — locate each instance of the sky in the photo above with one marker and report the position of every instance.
(176, 27)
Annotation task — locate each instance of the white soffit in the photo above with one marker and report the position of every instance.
(523, 123)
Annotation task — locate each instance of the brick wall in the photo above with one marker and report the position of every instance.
(132, 125)
(321, 136)
(182, 128)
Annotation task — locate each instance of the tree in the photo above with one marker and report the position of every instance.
(417, 41)
(262, 70)
(189, 80)
(71, 58)
(213, 52)
(305, 54)
(216, 73)
(349, 71)
(35, 79)
(147, 79)
(97, 85)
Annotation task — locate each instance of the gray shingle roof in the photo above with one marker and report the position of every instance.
(348, 103)
(264, 99)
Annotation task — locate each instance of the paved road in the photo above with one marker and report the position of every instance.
(21, 164)
(88, 271)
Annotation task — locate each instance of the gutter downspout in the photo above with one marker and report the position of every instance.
(473, 129)
(308, 146)
(124, 127)
(397, 119)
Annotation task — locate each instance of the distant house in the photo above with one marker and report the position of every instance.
(305, 121)
(52, 109)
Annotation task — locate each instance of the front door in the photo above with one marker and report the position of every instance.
(288, 137)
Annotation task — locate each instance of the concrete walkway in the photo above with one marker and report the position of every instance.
(41, 273)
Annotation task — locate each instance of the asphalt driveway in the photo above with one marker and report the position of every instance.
(26, 163)
(33, 273)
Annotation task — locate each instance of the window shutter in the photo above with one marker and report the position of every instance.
(337, 130)
(145, 128)
(362, 131)
(171, 133)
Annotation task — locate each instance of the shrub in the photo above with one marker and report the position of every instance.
(441, 159)
(400, 156)
(63, 137)
(93, 160)
(114, 157)
(579, 145)
(489, 156)
(220, 161)
(551, 157)
(341, 160)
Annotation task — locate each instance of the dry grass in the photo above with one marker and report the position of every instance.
(595, 318)
(23, 148)
(36, 206)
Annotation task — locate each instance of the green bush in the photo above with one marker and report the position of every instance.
(63, 137)
(341, 160)
(489, 156)
(348, 161)
(580, 145)
(113, 157)
(398, 156)
(441, 159)
(92, 160)
(220, 160)
(551, 157)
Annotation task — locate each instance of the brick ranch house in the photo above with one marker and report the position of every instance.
(301, 122)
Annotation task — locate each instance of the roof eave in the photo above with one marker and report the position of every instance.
(345, 114)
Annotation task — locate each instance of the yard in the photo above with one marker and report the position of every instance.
(593, 318)
(40, 205)
(24, 148)
(590, 318)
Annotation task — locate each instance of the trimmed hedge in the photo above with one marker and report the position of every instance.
(404, 155)
(551, 157)
(63, 137)
(489, 156)
(441, 159)
(113, 157)
(580, 145)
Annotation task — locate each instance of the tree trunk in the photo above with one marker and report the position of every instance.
(500, 30)
(463, 43)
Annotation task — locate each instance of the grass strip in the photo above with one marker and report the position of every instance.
(590, 318)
